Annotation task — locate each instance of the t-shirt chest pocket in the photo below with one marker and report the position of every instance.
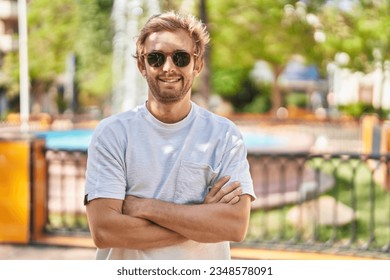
(192, 183)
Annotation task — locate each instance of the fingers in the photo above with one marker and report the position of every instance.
(226, 193)
(223, 193)
(212, 196)
(235, 200)
(231, 193)
(218, 185)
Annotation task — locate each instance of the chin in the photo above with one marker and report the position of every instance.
(170, 100)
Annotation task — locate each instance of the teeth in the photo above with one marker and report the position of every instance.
(170, 81)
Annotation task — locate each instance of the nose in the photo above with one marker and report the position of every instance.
(168, 65)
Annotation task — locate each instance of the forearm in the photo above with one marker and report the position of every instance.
(202, 223)
(147, 236)
(115, 230)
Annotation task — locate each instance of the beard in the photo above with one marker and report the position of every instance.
(166, 93)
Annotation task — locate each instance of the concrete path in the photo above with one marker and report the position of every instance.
(44, 252)
(50, 252)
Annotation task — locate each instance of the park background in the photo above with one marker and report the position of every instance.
(307, 82)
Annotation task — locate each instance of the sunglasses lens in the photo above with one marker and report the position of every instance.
(156, 59)
(181, 59)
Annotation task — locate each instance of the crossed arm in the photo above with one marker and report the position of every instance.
(137, 223)
(202, 223)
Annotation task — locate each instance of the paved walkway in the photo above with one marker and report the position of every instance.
(45, 252)
(52, 252)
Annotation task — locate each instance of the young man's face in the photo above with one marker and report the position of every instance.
(169, 82)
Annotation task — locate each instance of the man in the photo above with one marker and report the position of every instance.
(168, 179)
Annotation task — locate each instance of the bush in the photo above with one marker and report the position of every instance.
(297, 99)
(357, 109)
(261, 104)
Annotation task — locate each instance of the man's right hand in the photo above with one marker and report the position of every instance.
(229, 194)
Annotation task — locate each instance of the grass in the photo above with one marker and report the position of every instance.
(59, 221)
(372, 204)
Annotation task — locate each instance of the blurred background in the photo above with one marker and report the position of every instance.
(307, 82)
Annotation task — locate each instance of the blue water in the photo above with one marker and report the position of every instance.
(79, 139)
(255, 140)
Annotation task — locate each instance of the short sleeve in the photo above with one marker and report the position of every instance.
(235, 163)
(105, 174)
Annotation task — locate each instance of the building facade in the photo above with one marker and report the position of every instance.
(8, 26)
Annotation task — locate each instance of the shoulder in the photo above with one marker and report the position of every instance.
(214, 119)
(118, 125)
(120, 119)
(217, 123)
(219, 128)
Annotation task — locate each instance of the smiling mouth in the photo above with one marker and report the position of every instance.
(170, 81)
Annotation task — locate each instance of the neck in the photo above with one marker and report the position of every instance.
(169, 113)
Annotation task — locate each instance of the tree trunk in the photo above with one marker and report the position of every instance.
(277, 95)
(38, 90)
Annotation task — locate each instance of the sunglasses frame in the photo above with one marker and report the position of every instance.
(165, 55)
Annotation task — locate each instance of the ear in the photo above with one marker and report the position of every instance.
(198, 67)
(141, 67)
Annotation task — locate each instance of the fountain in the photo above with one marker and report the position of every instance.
(129, 88)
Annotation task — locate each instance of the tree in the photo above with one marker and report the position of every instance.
(257, 29)
(51, 28)
(361, 32)
(94, 49)
(204, 88)
(59, 28)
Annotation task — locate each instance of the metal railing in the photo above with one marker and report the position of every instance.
(66, 179)
(321, 202)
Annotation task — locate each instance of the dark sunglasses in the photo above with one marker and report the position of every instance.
(179, 58)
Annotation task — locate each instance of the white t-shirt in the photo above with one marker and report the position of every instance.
(133, 153)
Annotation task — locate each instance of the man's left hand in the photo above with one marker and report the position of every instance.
(222, 193)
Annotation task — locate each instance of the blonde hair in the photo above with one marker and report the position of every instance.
(172, 21)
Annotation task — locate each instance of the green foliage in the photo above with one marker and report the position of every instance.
(227, 81)
(11, 69)
(58, 28)
(360, 32)
(237, 87)
(261, 103)
(357, 109)
(260, 29)
(61, 103)
(94, 47)
(169, 5)
(243, 33)
(52, 33)
(297, 99)
(52, 28)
